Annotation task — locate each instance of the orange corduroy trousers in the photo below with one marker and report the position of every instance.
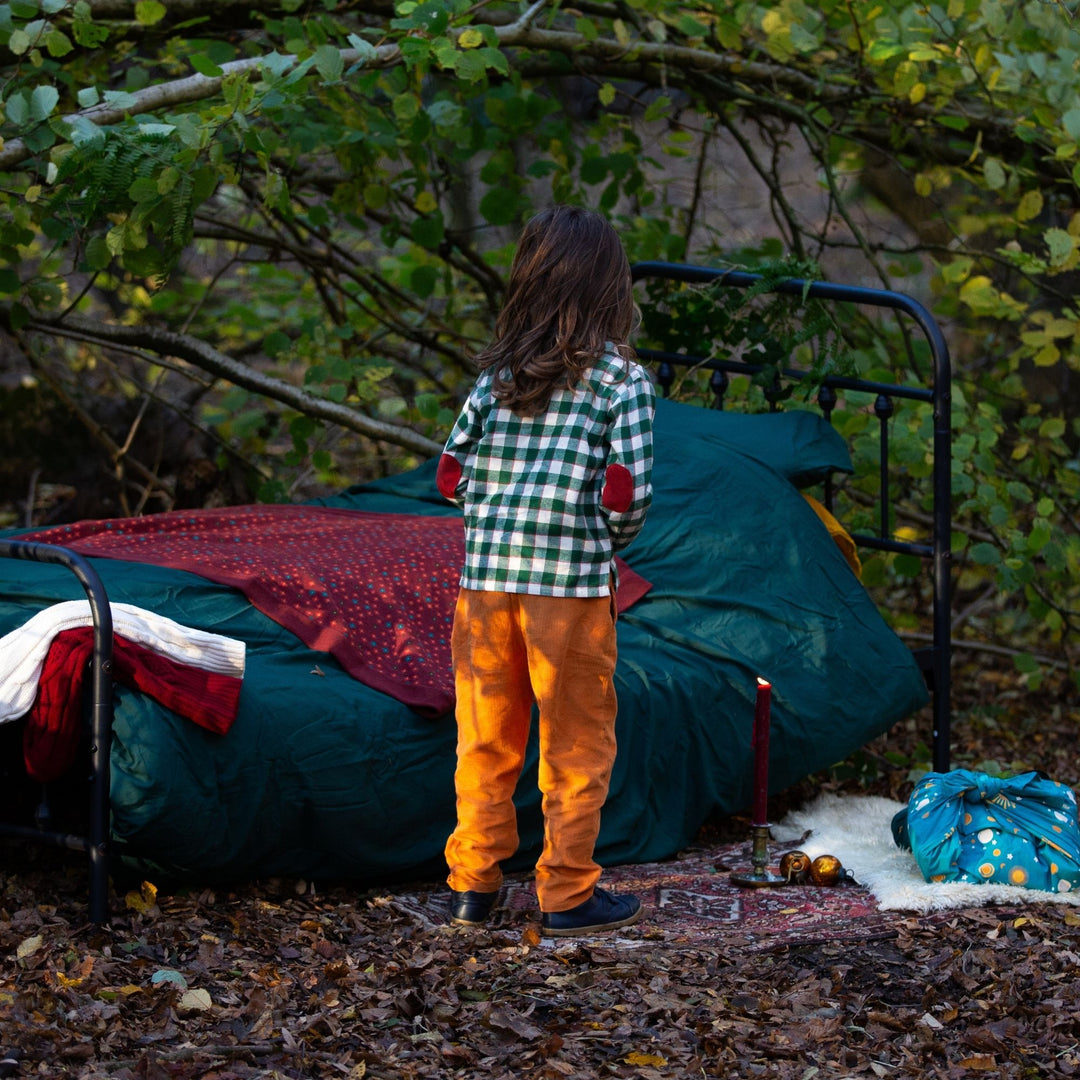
(509, 649)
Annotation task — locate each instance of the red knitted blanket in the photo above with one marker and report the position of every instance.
(54, 723)
(376, 591)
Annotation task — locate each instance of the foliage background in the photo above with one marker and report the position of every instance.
(248, 250)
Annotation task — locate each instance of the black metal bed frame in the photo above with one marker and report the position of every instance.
(96, 842)
(934, 661)
(935, 666)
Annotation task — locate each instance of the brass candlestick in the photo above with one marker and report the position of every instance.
(759, 875)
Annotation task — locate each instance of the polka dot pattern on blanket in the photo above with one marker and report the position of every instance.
(375, 590)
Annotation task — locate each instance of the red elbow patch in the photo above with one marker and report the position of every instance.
(447, 476)
(618, 489)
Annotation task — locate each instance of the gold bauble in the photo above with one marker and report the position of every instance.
(794, 866)
(826, 870)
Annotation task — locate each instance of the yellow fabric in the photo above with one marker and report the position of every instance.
(506, 647)
(839, 534)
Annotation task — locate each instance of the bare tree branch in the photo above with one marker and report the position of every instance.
(195, 87)
(207, 358)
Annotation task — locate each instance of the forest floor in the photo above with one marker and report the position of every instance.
(282, 979)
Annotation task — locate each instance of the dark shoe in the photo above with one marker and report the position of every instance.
(471, 908)
(602, 911)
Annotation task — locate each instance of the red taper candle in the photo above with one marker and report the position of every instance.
(761, 752)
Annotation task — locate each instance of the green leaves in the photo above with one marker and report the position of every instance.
(43, 100)
(367, 52)
(881, 50)
(17, 109)
(149, 12)
(430, 18)
(87, 33)
(428, 231)
(792, 29)
(205, 66)
(985, 554)
(993, 174)
(26, 109)
(329, 63)
(129, 180)
(29, 31)
(1070, 121)
(57, 43)
(500, 206)
(1061, 246)
(19, 41)
(85, 134)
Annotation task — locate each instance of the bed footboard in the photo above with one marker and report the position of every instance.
(934, 660)
(95, 842)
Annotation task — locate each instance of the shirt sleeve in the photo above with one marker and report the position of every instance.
(627, 492)
(452, 474)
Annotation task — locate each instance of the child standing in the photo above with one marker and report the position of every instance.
(551, 458)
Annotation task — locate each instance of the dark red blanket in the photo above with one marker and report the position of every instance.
(54, 723)
(376, 591)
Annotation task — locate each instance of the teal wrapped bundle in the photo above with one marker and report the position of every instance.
(968, 826)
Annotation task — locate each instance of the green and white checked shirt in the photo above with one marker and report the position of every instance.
(549, 499)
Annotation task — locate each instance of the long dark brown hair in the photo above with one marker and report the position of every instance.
(569, 294)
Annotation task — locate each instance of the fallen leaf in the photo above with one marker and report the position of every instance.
(168, 975)
(509, 1020)
(560, 982)
(144, 900)
(195, 1001)
(426, 1036)
(654, 1060)
(29, 946)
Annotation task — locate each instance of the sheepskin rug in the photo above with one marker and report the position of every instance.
(857, 830)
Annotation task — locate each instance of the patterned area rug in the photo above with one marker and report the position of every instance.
(692, 902)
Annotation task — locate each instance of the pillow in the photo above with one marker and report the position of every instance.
(800, 445)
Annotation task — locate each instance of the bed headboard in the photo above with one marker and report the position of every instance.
(934, 660)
